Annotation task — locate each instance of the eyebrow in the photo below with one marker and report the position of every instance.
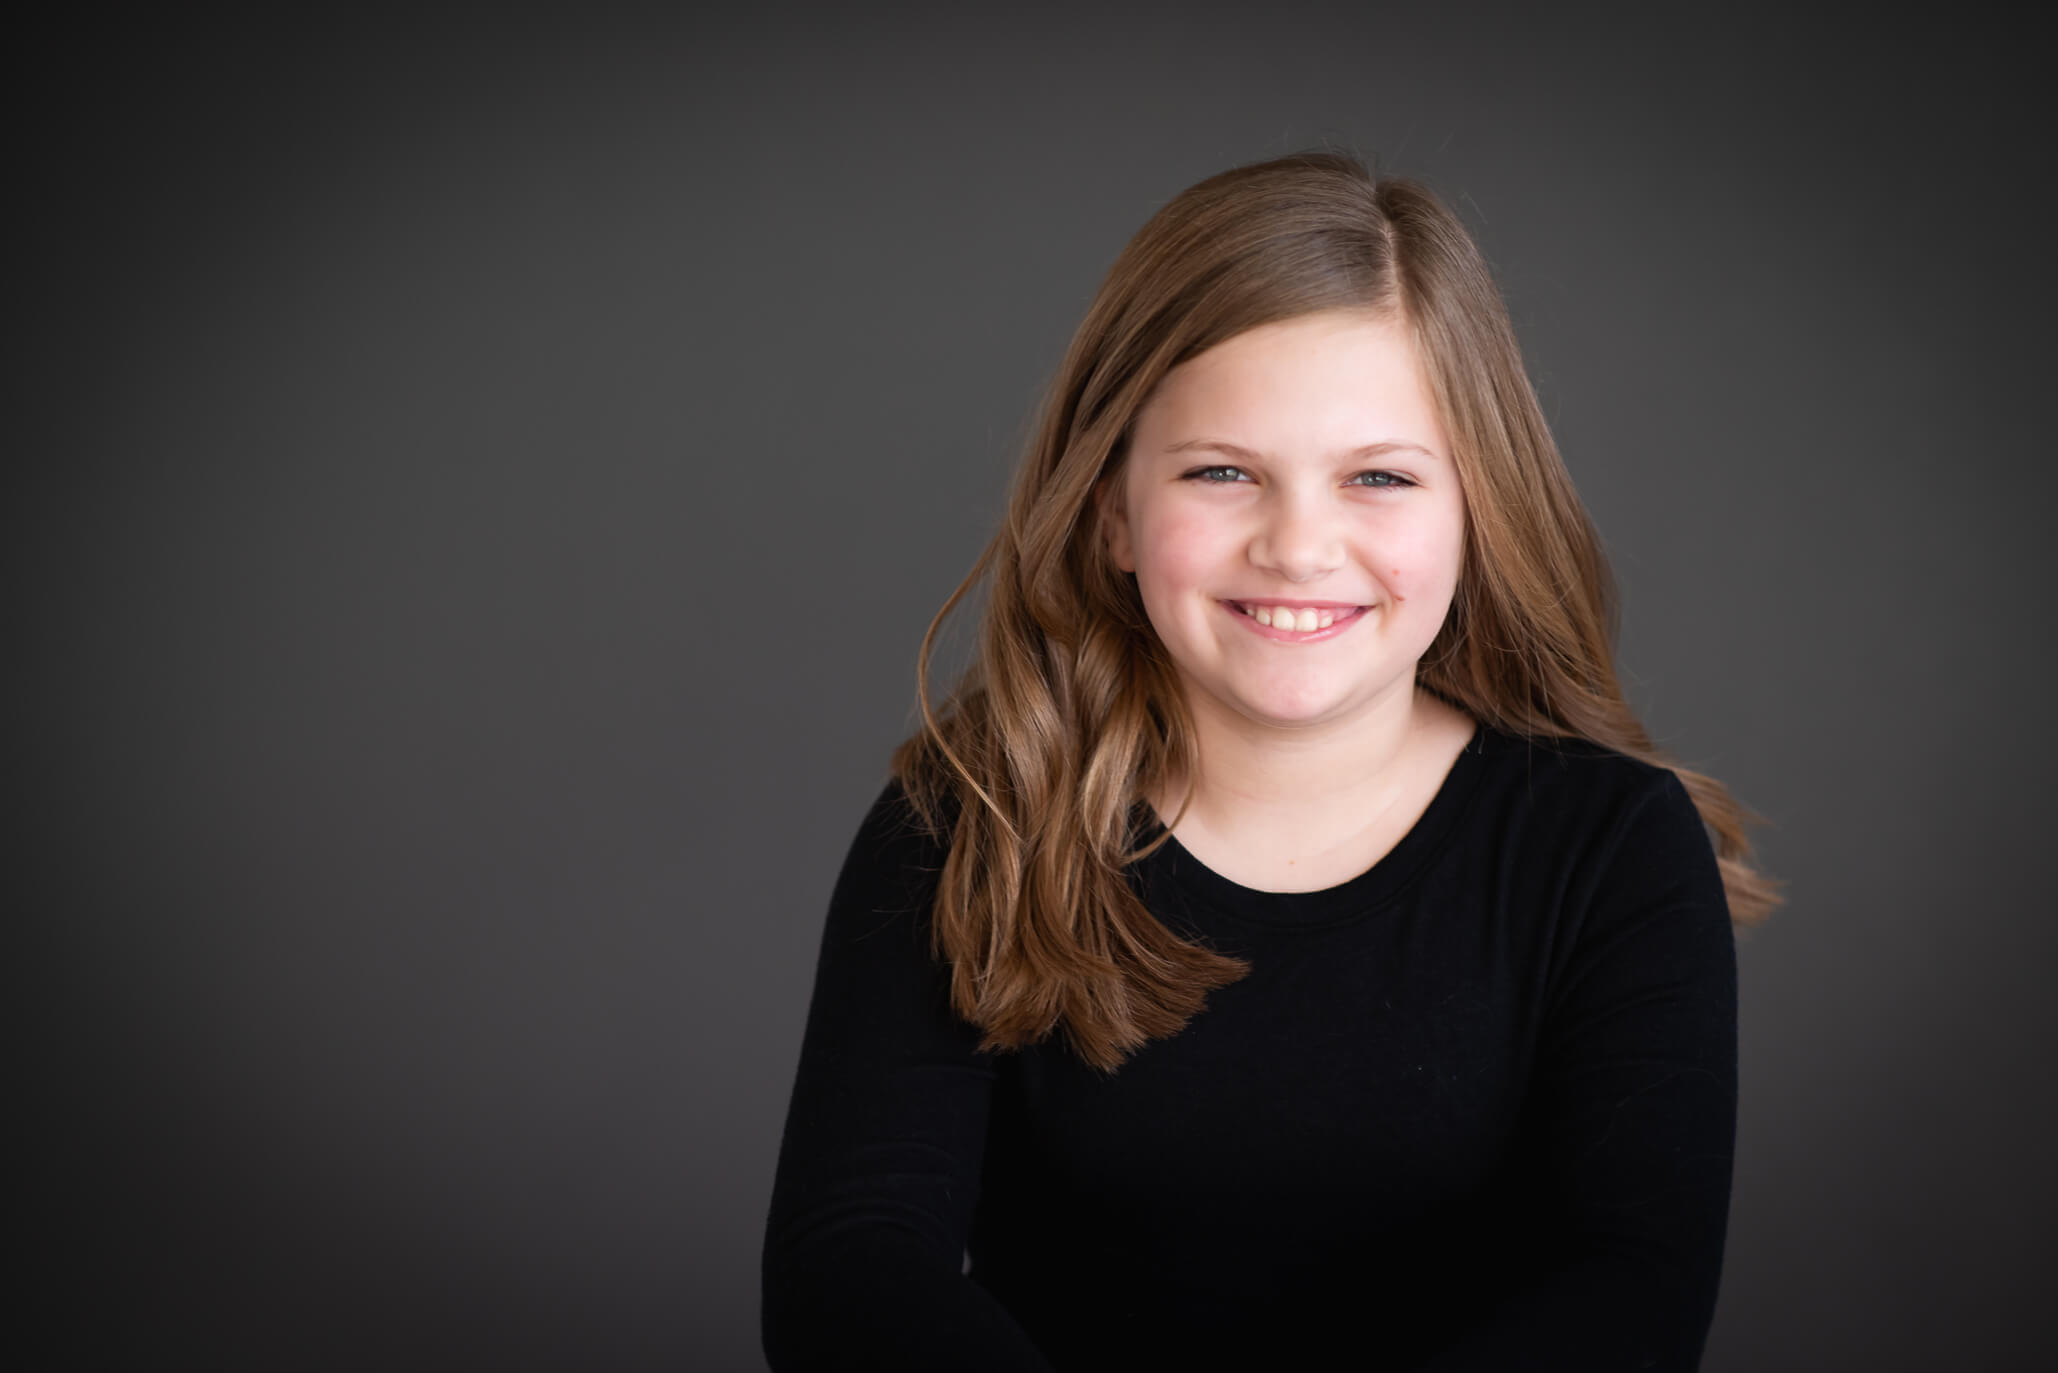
(1384, 448)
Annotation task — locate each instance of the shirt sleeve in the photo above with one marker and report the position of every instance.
(879, 1163)
(1634, 1099)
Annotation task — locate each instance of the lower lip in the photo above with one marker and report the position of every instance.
(1294, 636)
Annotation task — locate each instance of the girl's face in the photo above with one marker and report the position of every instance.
(1296, 473)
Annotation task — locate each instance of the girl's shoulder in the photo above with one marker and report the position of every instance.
(1565, 783)
(1569, 757)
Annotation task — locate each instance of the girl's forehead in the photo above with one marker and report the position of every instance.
(1338, 379)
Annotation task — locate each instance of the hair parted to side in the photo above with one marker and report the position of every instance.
(1070, 712)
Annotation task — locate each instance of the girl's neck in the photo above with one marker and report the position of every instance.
(1261, 781)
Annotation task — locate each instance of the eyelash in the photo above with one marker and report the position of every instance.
(1394, 483)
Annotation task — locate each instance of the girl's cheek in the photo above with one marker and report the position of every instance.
(1416, 563)
(1183, 545)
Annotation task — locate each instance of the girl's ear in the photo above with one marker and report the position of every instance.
(1110, 499)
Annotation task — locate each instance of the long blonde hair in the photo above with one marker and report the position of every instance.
(1070, 712)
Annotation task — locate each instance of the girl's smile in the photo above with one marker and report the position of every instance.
(1300, 623)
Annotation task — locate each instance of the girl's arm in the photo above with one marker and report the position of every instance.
(1635, 1102)
(879, 1166)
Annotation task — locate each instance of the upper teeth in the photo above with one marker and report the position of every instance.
(1286, 617)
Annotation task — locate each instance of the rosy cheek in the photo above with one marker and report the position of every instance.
(1405, 565)
(1181, 547)
(1419, 558)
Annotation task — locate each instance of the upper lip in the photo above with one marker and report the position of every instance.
(1293, 604)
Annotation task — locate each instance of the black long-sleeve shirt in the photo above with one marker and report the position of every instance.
(1473, 1109)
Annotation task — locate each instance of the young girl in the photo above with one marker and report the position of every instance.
(1285, 948)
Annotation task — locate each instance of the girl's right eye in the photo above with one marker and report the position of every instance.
(1209, 475)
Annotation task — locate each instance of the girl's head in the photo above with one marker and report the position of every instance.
(1273, 267)
(1288, 507)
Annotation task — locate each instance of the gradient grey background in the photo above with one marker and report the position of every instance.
(483, 485)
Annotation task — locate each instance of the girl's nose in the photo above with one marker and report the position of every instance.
(1298, 541)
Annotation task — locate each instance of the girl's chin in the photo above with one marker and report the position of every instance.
(1287, 711)
(1307, 717)
(1294, 707)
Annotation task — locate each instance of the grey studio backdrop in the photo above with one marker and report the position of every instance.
(481, 486)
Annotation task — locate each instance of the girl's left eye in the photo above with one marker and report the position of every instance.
(1381, 480)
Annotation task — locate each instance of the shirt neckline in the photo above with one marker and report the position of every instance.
(1172, 866)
